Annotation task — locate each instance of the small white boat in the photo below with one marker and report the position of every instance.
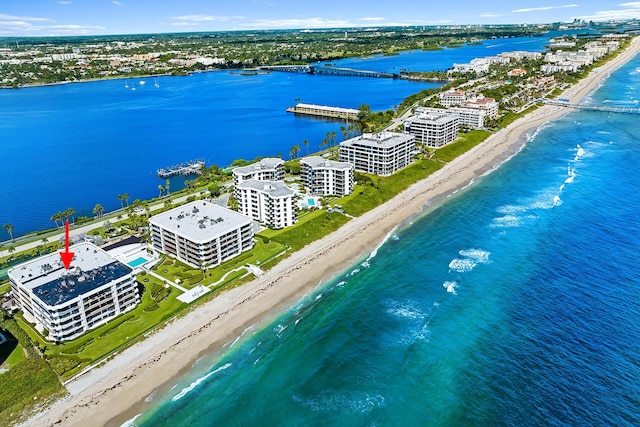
(142, 83)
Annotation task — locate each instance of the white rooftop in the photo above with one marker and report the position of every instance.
(47, 268)
(381, 139)
(273, 188)
(266, 163)
(327, 108)
(200, 221)
(318, 162)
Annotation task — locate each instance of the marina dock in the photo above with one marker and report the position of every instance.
(325, 111)
(193, 167)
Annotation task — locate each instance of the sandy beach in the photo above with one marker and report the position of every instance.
(113, 388)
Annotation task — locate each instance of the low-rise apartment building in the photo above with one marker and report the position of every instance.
(269, 202)
(324, 177)
(201, 233)
(63, 303)
(267, 169)
(381, 153)
(433, 127)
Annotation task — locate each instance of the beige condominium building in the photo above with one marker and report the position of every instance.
(270, 202)
(324, 177)
(201, 233)
(63, 303)
(382, 153)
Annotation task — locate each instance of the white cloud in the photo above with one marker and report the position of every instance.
(185, 24)
(117, 3)
(489, 15)
(631, 11)
(64, 2)
(204, 18)
(537, 9)
(23, 18)
(299, 23)
(372, 19)
(633, 5)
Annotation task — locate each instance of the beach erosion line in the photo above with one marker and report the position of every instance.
(130, 376)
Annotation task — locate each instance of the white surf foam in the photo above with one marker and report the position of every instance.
(461, 265)
(346, 402)
(194, 384)
(472, 258)
(404, 310)
(557, 201)
(377, 248)
(450, 287)
(131, 422)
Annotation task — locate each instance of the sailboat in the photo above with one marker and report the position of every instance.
(133, 86)
(156, 84)
(126, 85)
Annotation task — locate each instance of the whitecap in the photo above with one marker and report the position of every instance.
(341, 284)
(450, 287)
(461, 265)
(375, 250)
(404, 310)
(557, 201)
(345, 402)
(194, 384)
(477, 255)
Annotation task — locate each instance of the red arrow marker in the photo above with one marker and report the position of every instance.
(66, 255)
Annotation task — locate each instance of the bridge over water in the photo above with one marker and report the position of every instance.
(328, 71)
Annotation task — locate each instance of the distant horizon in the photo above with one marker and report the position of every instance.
(51, 18)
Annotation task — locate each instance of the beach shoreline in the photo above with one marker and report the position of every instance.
(129, 377)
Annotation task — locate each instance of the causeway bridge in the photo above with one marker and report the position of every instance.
(601, 108)
(328, 71)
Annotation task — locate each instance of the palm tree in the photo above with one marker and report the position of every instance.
(9, 229)
(343, 130)
(12, 250)
(334, 136)
(160, 189)
(306, 144)
(121, 198)
(54, 218)
(126, 198)
(69, 213)
(98, 210)
(166, 186)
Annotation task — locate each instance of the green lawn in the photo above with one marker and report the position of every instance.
(321, 224)
(67, 359)
(377, 190)
(29, 380)
(464, 143)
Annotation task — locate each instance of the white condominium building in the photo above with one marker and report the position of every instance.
(452, 97)
(471, 117)
(270, 202)
(433, 127)
(201, 234)
(267, 169)
(381, 153)
(324, 177)
(488, 105)
(63, 303)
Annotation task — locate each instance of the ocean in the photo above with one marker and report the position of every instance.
(82, 144)
(515, 302)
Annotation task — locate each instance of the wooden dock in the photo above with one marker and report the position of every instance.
(325, 111)
(193, 167)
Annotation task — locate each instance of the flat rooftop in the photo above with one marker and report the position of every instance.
(200, 221)
(90, 268)
(319, 162)
(381, 139)
(264, 164)
(273, 188)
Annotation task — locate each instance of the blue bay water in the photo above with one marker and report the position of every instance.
(81, 144)
(516, 302)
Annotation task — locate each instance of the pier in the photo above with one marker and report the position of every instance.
(193, 167)
(325, 111)
(328, 71)
(585, 107)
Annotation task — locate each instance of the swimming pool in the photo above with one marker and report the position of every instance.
(136, 262)
(311, 202)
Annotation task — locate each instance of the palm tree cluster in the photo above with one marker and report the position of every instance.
(9, 229)
(63, 216)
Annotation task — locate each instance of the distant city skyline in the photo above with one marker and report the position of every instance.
(98, 17)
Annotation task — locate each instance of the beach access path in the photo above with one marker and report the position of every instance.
(129, 377)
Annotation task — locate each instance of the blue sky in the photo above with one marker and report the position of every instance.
(89, 17)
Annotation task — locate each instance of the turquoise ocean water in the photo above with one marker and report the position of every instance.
(516, 302)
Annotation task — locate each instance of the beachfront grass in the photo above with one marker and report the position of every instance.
(464, 143)
(509, 118)
(375, 190)
(70, 357)
(316, 227)
(29, 381)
